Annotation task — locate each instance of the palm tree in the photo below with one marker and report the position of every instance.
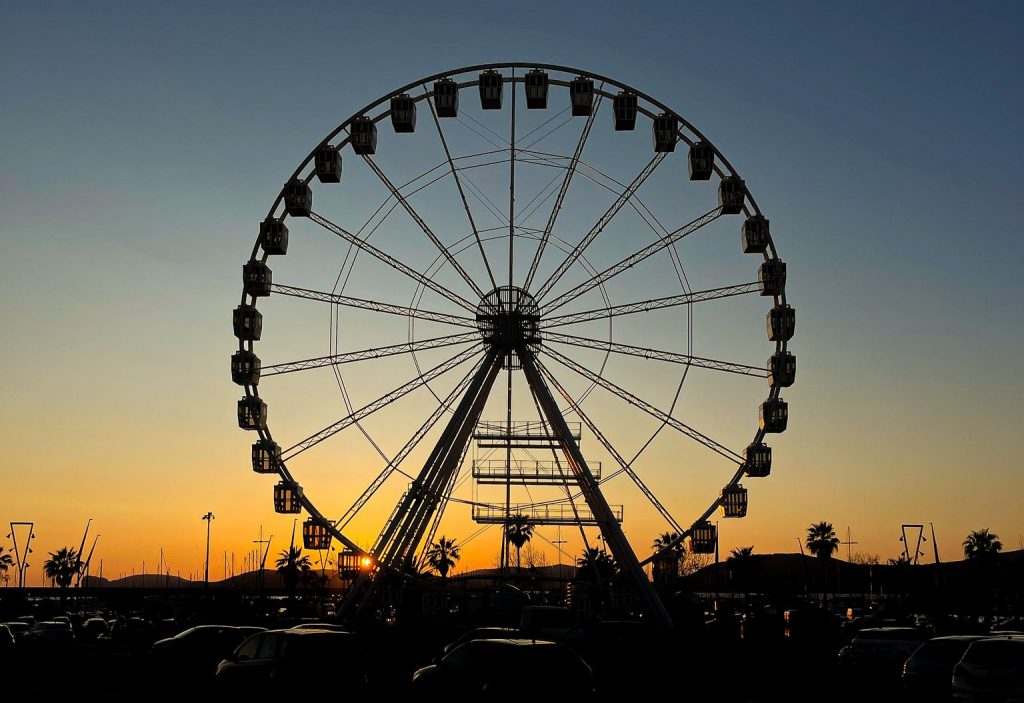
(6, 562)
(595, 564)
(292, 566)
(982, 545)
(666, 566)
(518, 531)
(442, 555)
(62, 567)
(742, 564)
(822, 540)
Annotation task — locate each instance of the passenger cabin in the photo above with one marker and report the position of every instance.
(781, 370)
(781, 323)
(274, 236)
(734, 501)
(758, 463)
(257, 279)
(298, 198)
(315, 535)
(731, 192)
(363, 136)
(248, 323)
(702, 161)
(772, 277)
(288, 497)
(328, 164)
(491, 89)
(774, 415)
(581, 96)
(403, 114)
(624, 111)
(252, 413)
(755, 235)
(446, 97)
(535, 84)
(266, 453)
(245, 368)
(703, 538)
(666, 133)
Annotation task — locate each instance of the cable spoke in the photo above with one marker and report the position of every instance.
(372, 353)
(632, 260)
(646, 407)
(570, 171)
(391, 261)
(653, 304)
(374, 305)
(376, 405)
(659, 354)
(599, 226)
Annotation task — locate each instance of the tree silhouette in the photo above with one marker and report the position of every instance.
(742, 566)
(595, 564)
(6, 562)
(518, 531)
(666, 567)
(442, 555)
(982, 545)
(821, 540)
(292, 566)
(62, 567)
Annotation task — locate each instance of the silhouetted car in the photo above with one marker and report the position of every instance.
(507, 669)
(18, 628)
(330, 627)
(196, 651)
(991, 671)
(483, 633)
(272, 661)
(7, 643)
(50, 636)
(93, 628)
(132, 633)
(881, 651)
(929, 671)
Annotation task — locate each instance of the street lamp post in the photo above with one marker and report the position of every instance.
(206, 573)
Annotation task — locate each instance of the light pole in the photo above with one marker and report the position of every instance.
(206, 578)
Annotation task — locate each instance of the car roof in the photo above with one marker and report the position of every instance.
(516, 642)
(958, 638)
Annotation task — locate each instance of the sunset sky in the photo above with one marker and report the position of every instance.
(141, 144)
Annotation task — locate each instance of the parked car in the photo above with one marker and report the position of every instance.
(49, 635)
(7, 643)
(271, 662)
(196, 652)
(331, 627)
(929, 670)
(494, 670)
(93, 628)
(881, 651)
(991, 671)
(18, 628)
(483, 633)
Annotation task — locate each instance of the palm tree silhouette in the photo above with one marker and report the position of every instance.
(518, 531)
(982, 545)
(666, 566)
(742, 564)
(822, 543)
(442, 555)
(292, 566)
(62, 567)
(595, 564)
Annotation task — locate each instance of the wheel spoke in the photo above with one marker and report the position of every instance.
(376, 405)
(600, 225)
(372, 353)
(653, 304)
(391, 261)
(659, 354)
(632, 260)
(375, 306)
(646, 407)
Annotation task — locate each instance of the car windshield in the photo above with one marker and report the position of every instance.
(996, 653)
(942, 651)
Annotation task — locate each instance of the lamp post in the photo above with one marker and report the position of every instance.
(206, 572)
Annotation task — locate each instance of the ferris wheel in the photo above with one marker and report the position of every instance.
(523, 296)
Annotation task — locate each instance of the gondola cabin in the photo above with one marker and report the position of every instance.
(535, 84)
(298, 198)
(666, 133)
(245, 368)
(363, 136)
(288, 498)
(755, 235)
(703, 538)
(403, 114)
(624, 111)
(781, 322)
(266, 454)
(772, 277)
(315, 535)
(274, 236)
(758, 462)
(446, 97)
(581, 96)
(734, 501)
(328, 164)
(247, 322)
(702, 161)
(257, 279)
(781, 370)
(731, 192)
(774, 415)
(252, 413)
(491, 90)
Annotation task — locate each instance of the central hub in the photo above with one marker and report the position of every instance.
(509, 320)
